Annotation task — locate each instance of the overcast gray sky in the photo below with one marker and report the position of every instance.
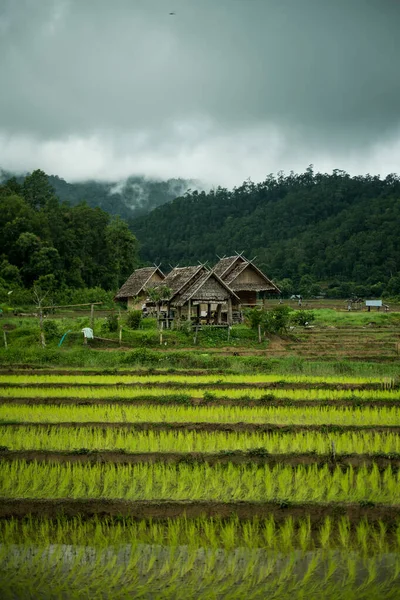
(221, 91)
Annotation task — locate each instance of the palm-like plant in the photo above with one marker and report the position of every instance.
(158, 295)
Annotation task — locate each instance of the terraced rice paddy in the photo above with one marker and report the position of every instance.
(199, 486)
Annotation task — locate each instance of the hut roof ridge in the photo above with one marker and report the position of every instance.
(179, 277)
(226, 263)
(196, 285)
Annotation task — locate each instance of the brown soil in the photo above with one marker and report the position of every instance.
(186, 426)
(235, 457)
(219, 386)
(137, 401)
(167, 509)
(37, 370)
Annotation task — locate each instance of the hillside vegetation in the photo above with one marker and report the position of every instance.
(307, 230)
(133, 197)
(56, 246)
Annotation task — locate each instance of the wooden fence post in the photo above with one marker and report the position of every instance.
(5, 339)
(92, 316)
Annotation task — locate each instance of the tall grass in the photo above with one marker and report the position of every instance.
(61, 439)
(112, 413)
(19, 479)
(27, 352)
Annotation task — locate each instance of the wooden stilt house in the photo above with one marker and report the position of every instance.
(245, 279)
(196, 293)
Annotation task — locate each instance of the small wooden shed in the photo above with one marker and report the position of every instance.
(134, 290)
(245, 279)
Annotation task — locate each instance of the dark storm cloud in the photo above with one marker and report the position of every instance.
(124, 86)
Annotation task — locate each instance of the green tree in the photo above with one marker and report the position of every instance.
(123, 250)
(37, 190)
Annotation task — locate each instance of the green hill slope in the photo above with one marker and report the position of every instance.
(133, 197)
(309, 228)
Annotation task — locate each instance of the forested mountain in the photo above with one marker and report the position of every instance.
(310, 232)
(306, 230)
(56, 246)
(133, 197)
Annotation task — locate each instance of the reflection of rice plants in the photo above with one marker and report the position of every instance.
(20, 479)
(28, 437)
(199, 558)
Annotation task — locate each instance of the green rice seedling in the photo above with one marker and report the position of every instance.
(269, 530)
(206, 533)
(188, 380)
(51, 437)
(344, 532)
(165, 394)
(19, 479)
(201, 414)
(287, 535)
(304, 534)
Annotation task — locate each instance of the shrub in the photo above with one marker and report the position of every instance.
(277, 320)
(51, 330)
(303, 317)
(133, 319)
(110, 324)
(254, 317)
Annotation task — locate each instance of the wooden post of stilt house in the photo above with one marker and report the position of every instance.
(209, 313)
(219, 311)
(178, 316)
(189, 311)
(229, 311)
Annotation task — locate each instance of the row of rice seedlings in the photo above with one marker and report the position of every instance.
(285, 415)
(113, 392)
(224, 534)
(224, 483)
(61, 439)
(187, 379)
(76, 572)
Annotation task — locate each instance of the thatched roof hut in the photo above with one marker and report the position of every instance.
(244, 278)
(137, 285)
(205, 288)
(180, 278)
(196, 286)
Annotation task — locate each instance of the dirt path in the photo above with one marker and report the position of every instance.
(235, 457)
(317, 512)
(204, 426)
(164, 401)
